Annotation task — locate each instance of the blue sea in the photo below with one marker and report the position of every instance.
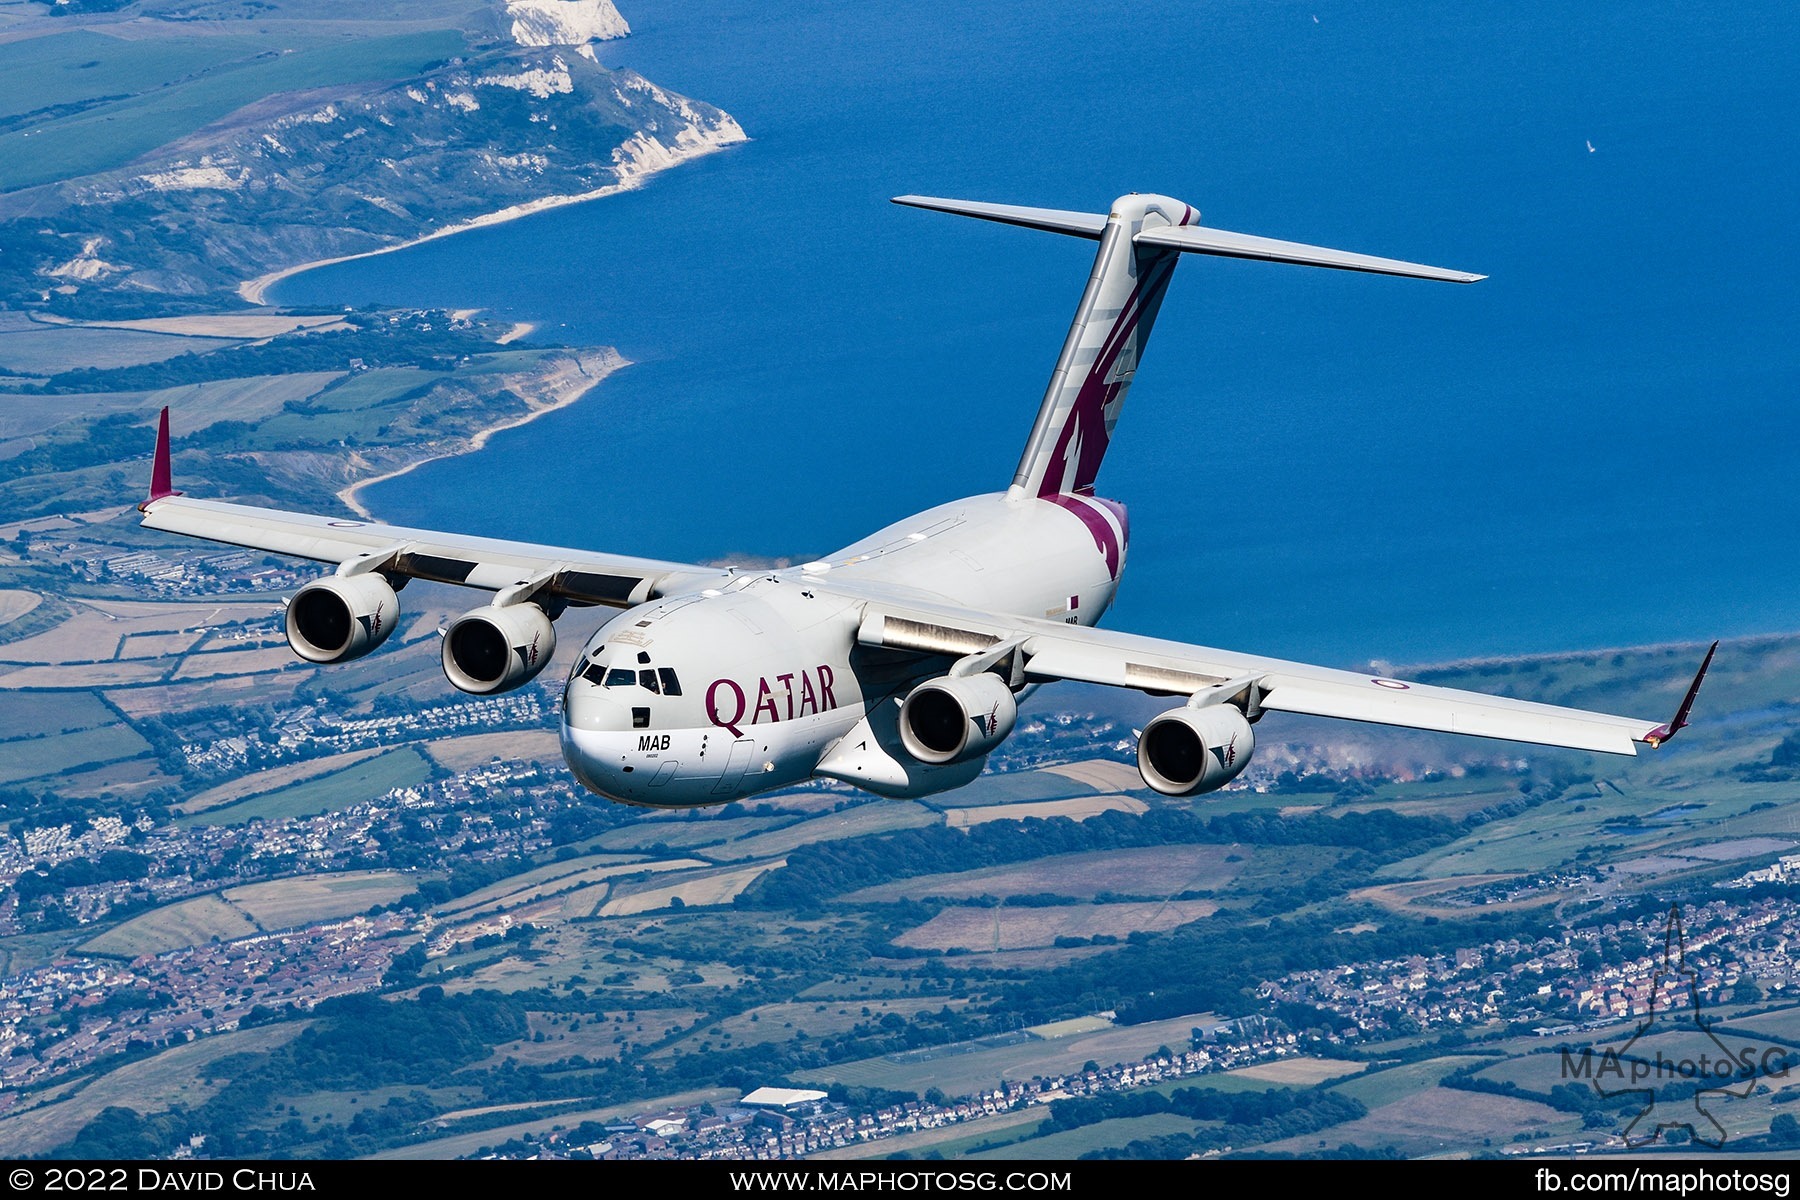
(1594, 447)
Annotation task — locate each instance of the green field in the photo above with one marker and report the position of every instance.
(49, 349)
(501, 362)
(777, 1022)
(251, 909)
(308, 899)
(968, 1067)
(34, 758)
(31, 714)
(187, 923)
(126, 98)
(1379, 1086)
(404, 767)
(1781, 1024)
(1102, 1135)
(558, 877)
(1154, 871)
(371, 389)
(950, 1141)
(82, 66)
(1014, 787)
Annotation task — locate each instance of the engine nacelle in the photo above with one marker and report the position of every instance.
(497, 647)
(957, 718)
(1186, 751)
(341, 617)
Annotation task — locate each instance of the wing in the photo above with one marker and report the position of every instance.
(577, 576)
(1050, 651)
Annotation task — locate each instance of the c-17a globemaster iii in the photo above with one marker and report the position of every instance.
(896, 664)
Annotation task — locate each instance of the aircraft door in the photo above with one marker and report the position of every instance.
(742, 751)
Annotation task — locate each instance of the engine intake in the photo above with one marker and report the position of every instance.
(497, 648)
(341, 617)
(1186, 751)
(957, 718)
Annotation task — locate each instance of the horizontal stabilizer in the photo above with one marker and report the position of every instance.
(1056, 220)
(1197, 239)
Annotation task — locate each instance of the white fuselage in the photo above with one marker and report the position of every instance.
(708, 697)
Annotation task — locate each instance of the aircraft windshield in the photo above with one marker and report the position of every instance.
(596, 670)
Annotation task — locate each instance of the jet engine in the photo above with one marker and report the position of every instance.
(496, 648)
(341, 617)
(957, 718)
(1186, 751)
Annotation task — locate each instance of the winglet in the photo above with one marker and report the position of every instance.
(1663, 733)
(160, 486)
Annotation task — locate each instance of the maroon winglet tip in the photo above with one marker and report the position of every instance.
(1663, 733)
(161, 486)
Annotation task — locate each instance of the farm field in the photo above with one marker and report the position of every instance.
(355, 784)
(968, 1067)
(174, 86)
(251, 909)
(272, 779)
(1167, 871)
(1007, 928)
(1443, 1121)
(699, 890)
(1073, 1143)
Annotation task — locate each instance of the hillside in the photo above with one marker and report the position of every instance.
(155, 169)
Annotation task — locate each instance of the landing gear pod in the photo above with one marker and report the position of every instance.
(1187, 751)
(957, 718)
(341, 617)
(495, 649)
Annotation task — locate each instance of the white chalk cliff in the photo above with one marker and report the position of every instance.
(565, 22)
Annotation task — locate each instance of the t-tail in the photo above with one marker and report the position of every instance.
(1140, 241)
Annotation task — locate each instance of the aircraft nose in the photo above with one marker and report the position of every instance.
(590, 708)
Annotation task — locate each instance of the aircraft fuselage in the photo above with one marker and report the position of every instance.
(711, 696)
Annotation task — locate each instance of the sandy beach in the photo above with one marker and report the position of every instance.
(253, 291)
(573, 378)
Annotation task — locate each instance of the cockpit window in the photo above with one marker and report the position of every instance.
(620, 677)
(670, 685)
(647, 680)
(593, 672)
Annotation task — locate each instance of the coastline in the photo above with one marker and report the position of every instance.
(589, 370)
(255, 291)
(564, 389)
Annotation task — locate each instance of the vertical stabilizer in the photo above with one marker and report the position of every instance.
(1100, 355)
(1140, 241)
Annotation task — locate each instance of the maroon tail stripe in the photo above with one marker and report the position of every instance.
(1105, 540)
(1088, 414)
